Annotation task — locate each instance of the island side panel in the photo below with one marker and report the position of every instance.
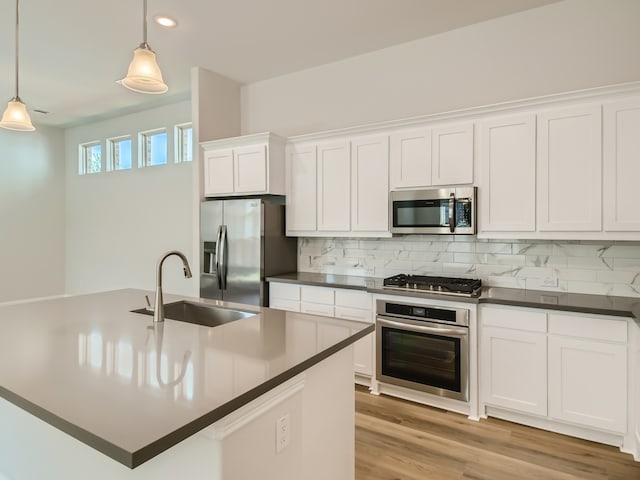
(328, 448)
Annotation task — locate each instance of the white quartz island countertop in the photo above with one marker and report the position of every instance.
(90, 367)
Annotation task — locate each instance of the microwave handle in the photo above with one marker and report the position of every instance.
(452, 210)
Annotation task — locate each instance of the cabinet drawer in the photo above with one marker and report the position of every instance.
(317, 295)
(283, 304)
(585, 326)
(353, 299)
(287, 291)
(356, 314)
(316, 309)
(514, 318)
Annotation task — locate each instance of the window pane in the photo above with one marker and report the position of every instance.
(120, 154)
(185, 144)
(91, 158)
(154, 149)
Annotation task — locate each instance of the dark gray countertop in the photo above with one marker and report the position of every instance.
(125, 414)
(573, 302)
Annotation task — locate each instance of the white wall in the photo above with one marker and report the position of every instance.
(32, 223)
(566, 46)
(119, 223)
(215, 109)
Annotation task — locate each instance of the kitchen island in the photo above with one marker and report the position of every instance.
(91, 390)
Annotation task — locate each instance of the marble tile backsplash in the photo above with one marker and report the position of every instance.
(604, 268)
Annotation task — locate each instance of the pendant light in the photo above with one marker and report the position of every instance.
(16, 117)
(144, 75)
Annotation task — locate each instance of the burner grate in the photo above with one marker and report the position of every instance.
(460, 286)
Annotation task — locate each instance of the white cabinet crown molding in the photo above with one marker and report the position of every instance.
(243, 140)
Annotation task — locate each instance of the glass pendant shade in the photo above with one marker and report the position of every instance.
(16, 117)
(144, 75)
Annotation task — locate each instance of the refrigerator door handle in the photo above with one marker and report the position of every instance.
(218, 248)
(223, 257)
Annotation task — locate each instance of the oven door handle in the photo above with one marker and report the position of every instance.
(459, 332)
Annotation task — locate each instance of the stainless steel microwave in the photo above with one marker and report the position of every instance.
(446, 210)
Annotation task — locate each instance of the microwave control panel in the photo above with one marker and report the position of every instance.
(463, 212)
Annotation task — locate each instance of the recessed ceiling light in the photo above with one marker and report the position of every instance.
(165, 21)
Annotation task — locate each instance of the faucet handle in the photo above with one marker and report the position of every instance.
(148, 307)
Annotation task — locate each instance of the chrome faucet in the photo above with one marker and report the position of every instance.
(158, 310)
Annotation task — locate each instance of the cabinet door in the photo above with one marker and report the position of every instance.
(513, 369)
(301, 188)
(410, 159)
(250, 168)
(334, 185)
(284, 296)
(370, 184)
(621, 165)
(218, 172)
(508, 174)
(452, 154)
(588, 383)
(570, 169)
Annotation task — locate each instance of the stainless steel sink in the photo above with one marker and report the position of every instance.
(199, 313)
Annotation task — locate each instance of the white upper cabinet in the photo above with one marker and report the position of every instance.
(218, 172)
(570, 169)
(410, 159)
(424, 157)
(452, 158)
(621, 165)
(338, 187)
(545, 169)
(370, 184)
(301, 188)
(334, 187)
(250, 167)
(507, 180)
(252, 164)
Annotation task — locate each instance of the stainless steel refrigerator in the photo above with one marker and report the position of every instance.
(242, 241)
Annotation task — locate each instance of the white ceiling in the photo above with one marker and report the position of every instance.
(73, 51)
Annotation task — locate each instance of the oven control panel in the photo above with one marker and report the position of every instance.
(457, 316)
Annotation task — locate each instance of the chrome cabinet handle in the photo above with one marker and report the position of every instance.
(452, 219)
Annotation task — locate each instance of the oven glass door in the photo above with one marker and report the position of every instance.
(426, 356)
(420, 213)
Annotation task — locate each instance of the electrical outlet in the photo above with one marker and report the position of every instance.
(283, 433)
(549, 282)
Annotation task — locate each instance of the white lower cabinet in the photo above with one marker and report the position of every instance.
(514, 369)
(588, 371)
(569, 368)
(331, 302)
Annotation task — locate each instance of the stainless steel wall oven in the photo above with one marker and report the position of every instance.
(423, 347)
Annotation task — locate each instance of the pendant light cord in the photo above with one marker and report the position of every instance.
(144, 24)
(17, 50)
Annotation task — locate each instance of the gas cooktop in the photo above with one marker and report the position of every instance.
(465, 287)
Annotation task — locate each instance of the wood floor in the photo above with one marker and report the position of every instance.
(399, 440)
